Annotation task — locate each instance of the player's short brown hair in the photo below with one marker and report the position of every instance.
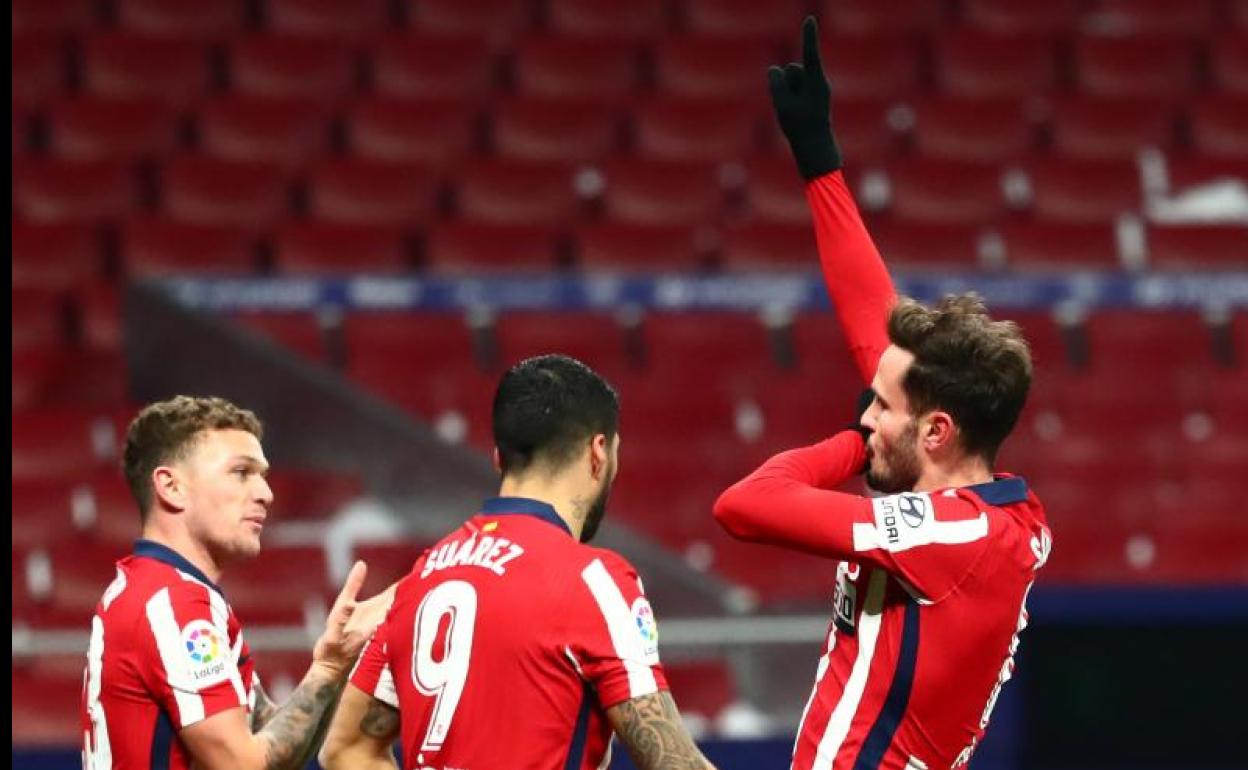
(164, 431)
(976, 369)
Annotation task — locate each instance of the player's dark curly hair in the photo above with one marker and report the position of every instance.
(165, 431)
(976, 369)
(546, 408)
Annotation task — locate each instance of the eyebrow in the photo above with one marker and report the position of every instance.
(264, 467)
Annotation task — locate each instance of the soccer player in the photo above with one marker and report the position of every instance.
(512, 643)
(930, 590)
(170, 682)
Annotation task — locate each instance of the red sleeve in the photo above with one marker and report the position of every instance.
(862, 292)
(614, 641)
(195, 673)
(372, 672)
(928, 541)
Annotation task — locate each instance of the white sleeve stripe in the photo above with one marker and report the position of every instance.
(221, 619)
(909, 520)
(385, 690)
(164, 628)
(624, 637)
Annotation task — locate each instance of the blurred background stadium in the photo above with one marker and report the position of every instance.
(350, 215)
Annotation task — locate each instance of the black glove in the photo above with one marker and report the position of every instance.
(865, 399)
(800, 96)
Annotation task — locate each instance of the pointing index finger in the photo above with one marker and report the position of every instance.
(810, 46)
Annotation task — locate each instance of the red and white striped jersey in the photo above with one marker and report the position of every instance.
(166, 652)
(508, 642)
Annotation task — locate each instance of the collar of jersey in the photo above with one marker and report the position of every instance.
(1003, 491)
(163, 553)
(503, 506)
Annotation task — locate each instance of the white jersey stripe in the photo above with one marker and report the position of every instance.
(385, 690)
(221, 619)
(868, 634)
(624, 635)
(168, 636)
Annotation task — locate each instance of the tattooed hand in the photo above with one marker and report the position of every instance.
(651, 729)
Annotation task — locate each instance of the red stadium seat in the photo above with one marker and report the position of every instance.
(975, 64)
(946, 192)
(577, 68)
(1197, 247)
(642, 20)
(62, 443)
(434, 133)
(129, 66)
(359, 192)
(122, 130)
(870, 66)
(1134, 67)
(1220, 127)
(1083, 191)
(497, 21)
(284, 66)
(561, 131)
(387, 563)
(742, 18)
(596, 339)
(704, 688)
(206, 191)
(972, 129)
(155, 245)
(1048, 348)
(661, 193)
(615, 247)
(1023, 16)
(101, 317)
(49, 716)
(290, 132)
(22, 126)
(56, 191)
(870, 16)
(39, 319)
(775, 192)
(763, 246)
(928, 245)
(1150, 17)
(1228, 61)
(822, 353)
(1111, 129)
(303, 493)
(46, 376)
(719, 346)
(302, 573)
(199, 19)
(40, 68)
(58, 17)
(311, 247)
(475, 246)
(681, 129)
(863, 133)
(49, 510)
(424, 66)
(511, 192)
(54, 257)
(702, 66)
(326, 18)
(299, 333)
(1165, 344)
(1032, 245)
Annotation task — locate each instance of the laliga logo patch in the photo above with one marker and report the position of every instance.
(643, 617)
(205, 648)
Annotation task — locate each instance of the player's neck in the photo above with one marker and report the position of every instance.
(186, 547)
(550, 491)
(967, 471)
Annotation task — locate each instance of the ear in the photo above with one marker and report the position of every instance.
(940, 431)
(169, 488)
(599, 451)
(498, 460)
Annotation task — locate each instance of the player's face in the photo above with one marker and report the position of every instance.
(893, 448)
(599, 508)
(227, 495)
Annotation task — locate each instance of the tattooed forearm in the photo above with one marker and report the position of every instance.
(264, 709)
(651, 729)
(296, 730)
(380, 721)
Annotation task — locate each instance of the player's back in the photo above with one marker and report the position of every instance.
(507, 643)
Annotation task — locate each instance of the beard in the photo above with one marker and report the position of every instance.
(598, 510)
(897, 468)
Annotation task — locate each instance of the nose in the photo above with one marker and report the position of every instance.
(264, 493)
(868, 420)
